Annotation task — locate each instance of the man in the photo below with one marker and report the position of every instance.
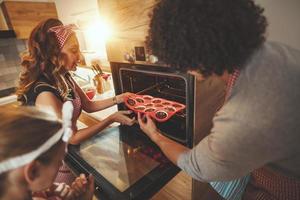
(257, 129)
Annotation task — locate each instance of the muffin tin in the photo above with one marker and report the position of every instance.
(159, 109)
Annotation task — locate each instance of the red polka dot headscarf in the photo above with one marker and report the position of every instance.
(62, 33)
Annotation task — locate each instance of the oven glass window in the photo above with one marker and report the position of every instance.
(118, 162)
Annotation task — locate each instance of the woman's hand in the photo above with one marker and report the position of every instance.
(120, 97)
(83, 188)
(121, 117)
(148, 126)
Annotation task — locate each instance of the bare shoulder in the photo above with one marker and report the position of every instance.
(50, 101)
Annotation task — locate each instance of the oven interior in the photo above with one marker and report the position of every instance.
(162, 85)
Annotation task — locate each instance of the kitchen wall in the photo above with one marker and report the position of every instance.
(70, 11)
(283, 18)
(130, 18)
(86, 15)
(10, 48)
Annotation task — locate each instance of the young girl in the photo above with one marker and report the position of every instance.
(33, 144)
(45, 80)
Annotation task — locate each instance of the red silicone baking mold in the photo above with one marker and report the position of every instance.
(159, 109)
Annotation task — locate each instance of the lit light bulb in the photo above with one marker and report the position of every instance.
(96, 33)
(99, 30)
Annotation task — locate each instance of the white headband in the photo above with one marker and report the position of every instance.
(65, 133)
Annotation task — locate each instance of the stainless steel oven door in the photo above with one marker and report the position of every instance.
(124, 162)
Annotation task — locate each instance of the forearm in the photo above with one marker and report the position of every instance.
(86, 133)
(201, 163)
(94, 106)
(206, 163)
(171, 149)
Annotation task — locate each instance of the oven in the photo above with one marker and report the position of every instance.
(125, 163)
(123, 160)
(162, 83)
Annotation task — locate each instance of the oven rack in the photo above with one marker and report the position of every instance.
(163, 89)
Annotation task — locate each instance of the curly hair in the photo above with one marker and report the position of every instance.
(208, 36)
(43, 57)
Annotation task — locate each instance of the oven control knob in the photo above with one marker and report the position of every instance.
(128, 57)
(153, 59)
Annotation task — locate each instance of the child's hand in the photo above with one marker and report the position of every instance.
(79, 185)
(83, 188)
(64, 191)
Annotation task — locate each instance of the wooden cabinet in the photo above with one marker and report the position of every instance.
(22, 17)
(129, 19)
(3, 25)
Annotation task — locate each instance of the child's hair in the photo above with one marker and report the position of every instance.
(23, 130)
(43, 57)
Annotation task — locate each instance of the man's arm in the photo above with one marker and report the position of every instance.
(170, 148)
(222, 155)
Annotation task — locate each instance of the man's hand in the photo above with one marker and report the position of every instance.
(148, 126)
(170, 148)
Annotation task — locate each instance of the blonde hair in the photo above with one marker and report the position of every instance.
(43, 57)
(22, 130)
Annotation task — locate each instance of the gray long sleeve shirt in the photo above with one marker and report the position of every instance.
(258, 125)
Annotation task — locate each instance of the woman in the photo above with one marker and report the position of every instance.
(33, 143)
(45, 80)
(256, 131)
